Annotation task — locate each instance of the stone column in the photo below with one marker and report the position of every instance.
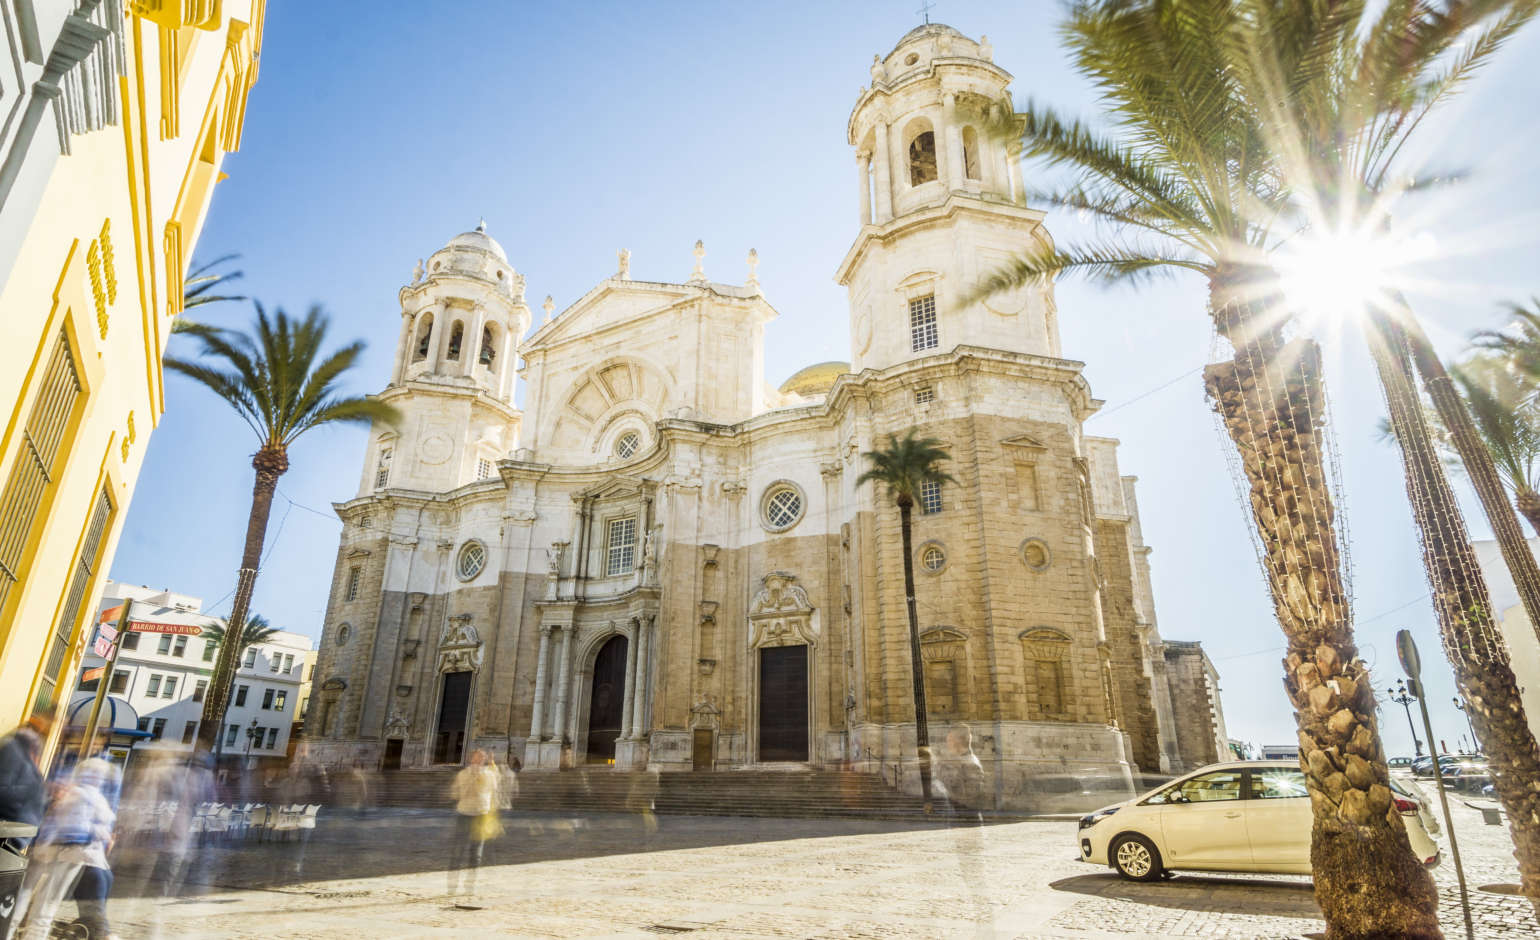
(563, 686)
(404, 349)
(630, 696)
(952, 140)
(639, 719)
(537, 724)
(472, 343)
(989, 158)
(438, 347)
(884, 174)
(864, 175)
(1013, 173)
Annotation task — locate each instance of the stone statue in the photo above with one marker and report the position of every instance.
(650, 553)
(698, 276)
(624, 273)
(554, 556)
(753, 280)
(550, 308)
(877, 73)
(417, 272)
(986, 51)
(518, 287)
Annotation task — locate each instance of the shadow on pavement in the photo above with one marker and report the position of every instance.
(391, 842)
(1232, 895)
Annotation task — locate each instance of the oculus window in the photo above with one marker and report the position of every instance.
(472, 558)
(782, 507)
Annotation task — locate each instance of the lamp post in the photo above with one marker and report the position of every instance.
(1403, 697)
(1474, 743)
(251, 732)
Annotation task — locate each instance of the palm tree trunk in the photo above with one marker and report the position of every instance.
(1271, 398)
(921, 724)
(1478, 465)
(270, 463)
(1471, 641)
(1529, 507)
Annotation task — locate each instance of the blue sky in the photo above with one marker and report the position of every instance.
(580, 129)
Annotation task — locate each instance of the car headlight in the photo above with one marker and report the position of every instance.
(1092, 819)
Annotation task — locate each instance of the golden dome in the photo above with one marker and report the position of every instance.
(815, 379)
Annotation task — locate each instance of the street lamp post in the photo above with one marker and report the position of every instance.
(251, 732)
(1403, 697)
(1476, 744)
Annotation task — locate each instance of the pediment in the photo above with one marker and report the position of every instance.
(943, 635)
(612, 302)
(1024, 442)
(615, 487)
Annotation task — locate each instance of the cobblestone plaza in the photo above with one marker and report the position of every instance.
(619, 875)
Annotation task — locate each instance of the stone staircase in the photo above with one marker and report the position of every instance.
(796, 794)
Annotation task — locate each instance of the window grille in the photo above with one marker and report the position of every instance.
(620, 550)
(922, 323)
(64, 631)
(352, 592)
(930, 497)
(783, 507)
(483, 469)
(933, 558)
(473, 558)
(382, 468)
(629, 443)
(924, 396)
(36, 469)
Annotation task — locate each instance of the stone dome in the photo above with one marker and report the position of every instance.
(814, 380)
(478, 239)
(929, 29)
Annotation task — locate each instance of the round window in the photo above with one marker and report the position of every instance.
(932, 558)
(911, 58)
(473, 557)
(343, 632)
(1035, 553)
(628, 444)
(782, 506)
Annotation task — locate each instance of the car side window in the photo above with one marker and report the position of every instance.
(1281, 783)
(1205, 788)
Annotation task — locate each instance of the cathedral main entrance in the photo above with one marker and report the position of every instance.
(607, 700)
(783, 703)
(454, 705)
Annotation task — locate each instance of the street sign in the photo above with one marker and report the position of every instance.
(1406, 650)
(107, 632)
(145, 626)
(102, 647)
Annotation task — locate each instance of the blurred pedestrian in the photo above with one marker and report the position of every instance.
(23, 794)
(476, 793)
(76, 833)
(962, 774)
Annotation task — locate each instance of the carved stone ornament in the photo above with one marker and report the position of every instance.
(459, 648)
(334, 684)
(708, 611)
(704, 713)
(709, 554)
(781, 614)
(396, 726)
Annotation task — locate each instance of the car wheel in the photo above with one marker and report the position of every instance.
(1136, 859)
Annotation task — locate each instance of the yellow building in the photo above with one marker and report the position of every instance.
(110, 146)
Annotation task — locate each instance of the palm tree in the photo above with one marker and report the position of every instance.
(199, 286)
(1196, 167)
(904, 467)
(1503, 394)
(1338, 128)
(256, 631)
(282, 385)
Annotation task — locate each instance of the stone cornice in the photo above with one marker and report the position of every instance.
(553, 334)
(957, 203)
(883, 89)
(446, 390)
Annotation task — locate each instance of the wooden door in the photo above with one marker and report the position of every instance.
(701, 747)
(783, 703)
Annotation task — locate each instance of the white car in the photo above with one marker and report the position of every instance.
(1250, 816)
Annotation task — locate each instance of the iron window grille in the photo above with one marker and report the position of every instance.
(620, 547)
(930, 497)
(922, 323)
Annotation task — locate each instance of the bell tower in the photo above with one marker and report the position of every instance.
(941, 207)
(462, 317)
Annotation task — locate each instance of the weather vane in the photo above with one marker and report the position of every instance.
(925, 9)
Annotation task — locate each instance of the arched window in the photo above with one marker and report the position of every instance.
(971, 153)
(488, 354)
(424, 335)
(456, 337)
(922, 158)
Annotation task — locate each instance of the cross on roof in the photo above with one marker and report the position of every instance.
(925, 9)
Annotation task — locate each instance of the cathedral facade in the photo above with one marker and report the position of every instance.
(662, 562)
